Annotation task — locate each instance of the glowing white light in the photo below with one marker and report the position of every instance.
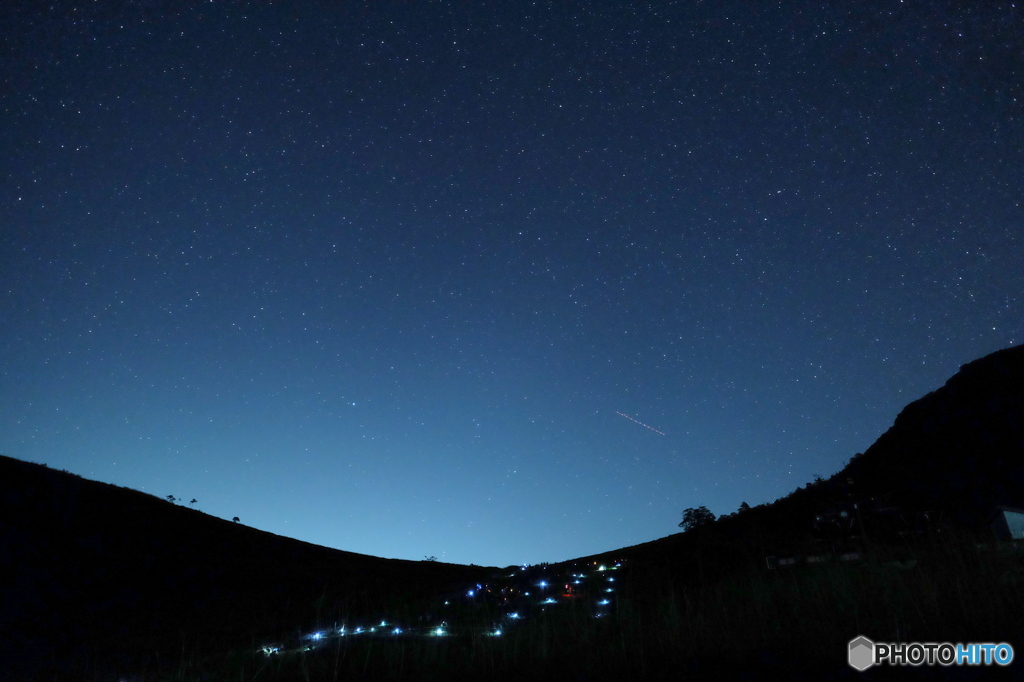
(316, 636)
(543, 583)
(396, 631)
(470, 593)
(513, 616)
(439, 632)
(549, 600)
(496, 633)
(604, 602)
(610, 589)
(602, 568)
(383, 624)
(526, 593)
(358, 630)
(270, 649)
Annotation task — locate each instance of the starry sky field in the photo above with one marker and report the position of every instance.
(496, 282)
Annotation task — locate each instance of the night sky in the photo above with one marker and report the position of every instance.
(496, 282)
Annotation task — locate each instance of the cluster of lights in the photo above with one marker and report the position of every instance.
(441, 630)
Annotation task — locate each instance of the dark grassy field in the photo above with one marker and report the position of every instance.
(749, 623)
(101, 580)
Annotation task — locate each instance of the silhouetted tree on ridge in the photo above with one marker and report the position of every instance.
(696, 517)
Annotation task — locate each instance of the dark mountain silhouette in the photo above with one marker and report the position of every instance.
(954, 454)
(103, 578)
(99, 577)
(959, 449)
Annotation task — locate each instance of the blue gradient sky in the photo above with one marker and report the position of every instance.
(382, 276)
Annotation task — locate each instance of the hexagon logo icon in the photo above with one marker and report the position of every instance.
(862, 653)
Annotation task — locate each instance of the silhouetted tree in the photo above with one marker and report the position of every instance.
(695, 518)
(236, 519)
(743, 507)
(172, 499)
(430, 558)
(192, 503)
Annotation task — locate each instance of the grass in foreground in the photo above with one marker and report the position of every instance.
(754, 622)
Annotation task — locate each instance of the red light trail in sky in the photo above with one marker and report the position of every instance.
(640, 423)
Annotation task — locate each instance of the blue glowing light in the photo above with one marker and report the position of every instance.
(549, 600)
(470, 593)
(513, 616)
(396, 631)
(438, 632)
(604, 602)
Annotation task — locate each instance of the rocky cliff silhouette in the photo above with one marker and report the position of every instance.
(959, 449)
